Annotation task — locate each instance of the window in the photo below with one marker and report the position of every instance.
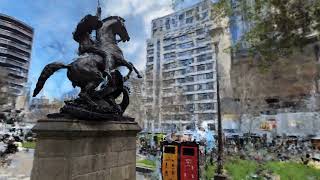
(205, 96)
(200, 31)
(167, 23)
(201, 77)
(201, 67)
(186, 45)
(204, 15)
(150, 45)
(206, 116)
(199, 87)
(189, 20)
(185, 53)
(190, 88)
(149, 67)
(190, 78)
(202, 49)
(181, 17)
(167, 40)
(174, 23)
(169, 55)
(209, 86)
(150, 59)
(209, 75)
(190, 69)
(206, 106)
(150, 51)
(186, 62)
(181, 80)
(190, 97)
(154, 25)
(180, 72)
(201, 58)
(189, 12)
(169, 47)
(183, 37)
(204, 6)
(190, 107)
(209, 66)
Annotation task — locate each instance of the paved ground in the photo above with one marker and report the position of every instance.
(21, 164)
(20, 167)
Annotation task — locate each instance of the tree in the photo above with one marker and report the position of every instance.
(250, 98)
(277, 28)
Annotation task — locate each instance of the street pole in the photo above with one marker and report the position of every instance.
(219, 172)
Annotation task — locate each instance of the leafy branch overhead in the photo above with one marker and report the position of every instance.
(274, 28)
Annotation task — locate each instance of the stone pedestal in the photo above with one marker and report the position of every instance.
(85, 150)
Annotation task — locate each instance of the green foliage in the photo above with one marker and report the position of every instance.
(147, 163)
(293, 171)
(209, 172)
(239, 169)
(29, 145)
(277, 28)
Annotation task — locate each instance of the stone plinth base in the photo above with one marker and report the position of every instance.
(85, 150)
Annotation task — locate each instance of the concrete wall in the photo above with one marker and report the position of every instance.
(80, 150)
(303, 123)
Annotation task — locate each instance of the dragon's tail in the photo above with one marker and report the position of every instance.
(125, 99)
(47, 71)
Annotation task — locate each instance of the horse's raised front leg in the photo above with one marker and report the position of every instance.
(122, 62)
(129, 65)
(135, 70)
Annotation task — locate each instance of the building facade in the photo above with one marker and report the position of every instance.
(15, 51)
(180, 77)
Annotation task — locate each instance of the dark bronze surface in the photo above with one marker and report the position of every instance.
(94, 71)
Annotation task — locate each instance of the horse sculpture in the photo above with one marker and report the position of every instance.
(90, 70)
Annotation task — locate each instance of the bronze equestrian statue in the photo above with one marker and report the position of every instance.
(95, 68)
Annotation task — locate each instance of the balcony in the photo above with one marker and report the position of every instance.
(173, 69)
(19, 38)
(17, 55)
(200, 91)
(14, 44)
(4, 23)
(17, 73)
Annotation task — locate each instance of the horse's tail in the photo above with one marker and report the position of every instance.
(47, 71)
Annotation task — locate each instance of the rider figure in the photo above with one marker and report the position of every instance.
(82, 35)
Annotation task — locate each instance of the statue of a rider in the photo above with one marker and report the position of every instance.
(97, 98)
(83, 35)
(83, 32)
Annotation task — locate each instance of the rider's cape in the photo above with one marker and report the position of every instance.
(86, 25)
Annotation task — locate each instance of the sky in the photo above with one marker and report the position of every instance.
(55, 20)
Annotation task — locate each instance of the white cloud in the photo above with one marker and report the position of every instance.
(133, 7)
(143, 11)
(131, 47)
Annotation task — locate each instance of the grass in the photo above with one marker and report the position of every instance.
(293, 171)
(209, 172)
(29, 145)
(147, 163)
(238, 169)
